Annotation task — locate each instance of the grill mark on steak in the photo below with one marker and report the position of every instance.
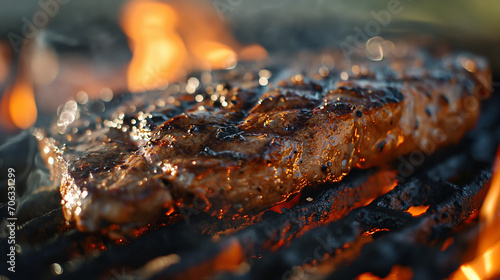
(138, 160)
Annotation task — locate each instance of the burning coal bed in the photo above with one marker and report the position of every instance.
(416, 219)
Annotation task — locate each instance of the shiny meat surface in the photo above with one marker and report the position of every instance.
(238, 148)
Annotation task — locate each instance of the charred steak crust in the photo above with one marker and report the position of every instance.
(241, 150)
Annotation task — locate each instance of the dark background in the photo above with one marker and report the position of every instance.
(293, 24)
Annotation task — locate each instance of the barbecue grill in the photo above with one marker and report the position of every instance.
(418, 218)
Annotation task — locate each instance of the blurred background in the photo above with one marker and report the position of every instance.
(55, 50)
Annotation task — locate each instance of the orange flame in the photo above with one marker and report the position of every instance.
(22, 106)
(169, 40)
(18, 108)
(18, 105)
(486, 265)
(156, 45)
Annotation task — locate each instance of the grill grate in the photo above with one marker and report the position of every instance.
(339, 230)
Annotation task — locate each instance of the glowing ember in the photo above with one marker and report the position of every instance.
(386, 179)
(417, 210)
(169, 40)
(287, 204)
(397, 273)
(486, 265)
(231, 257)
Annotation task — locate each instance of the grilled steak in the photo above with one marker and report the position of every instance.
(232, 150)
